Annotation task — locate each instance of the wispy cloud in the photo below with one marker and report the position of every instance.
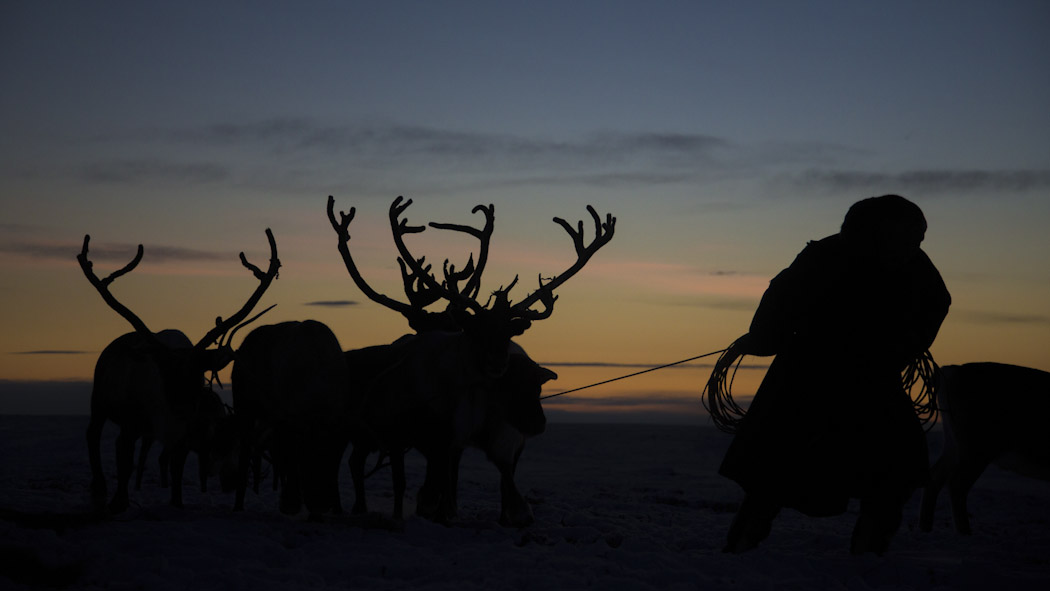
(746, 303)
(50, 352)
(608, 180)
(306, 149)
(669, 400)
(602, 364)
(990, 317)
(404, 140)
(108, 252)
(302, 153)
(382, 144)
(679, 284)
(926, 181)
(332, 303)
(9, 228)
(122, 171)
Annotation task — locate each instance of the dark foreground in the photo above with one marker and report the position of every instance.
(636, 507)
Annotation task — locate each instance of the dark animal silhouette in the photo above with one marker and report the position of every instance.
(152, 385)
(978, 430)
(290, 383)
(212, 437)
(512, 414)
(440, 390)
(497, 420)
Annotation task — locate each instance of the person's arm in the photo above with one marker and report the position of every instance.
(777, 318)
(933, 303)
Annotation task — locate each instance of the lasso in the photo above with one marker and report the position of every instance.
(717, 396)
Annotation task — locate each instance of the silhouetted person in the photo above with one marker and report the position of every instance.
(831, 420)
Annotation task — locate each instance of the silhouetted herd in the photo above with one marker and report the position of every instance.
(300, 400)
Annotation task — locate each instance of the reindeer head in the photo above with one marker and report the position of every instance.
(488, 327)
(522, 386)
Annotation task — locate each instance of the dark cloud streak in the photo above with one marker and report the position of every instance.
(390, 142)
(986, 317)
(51, 352)
(151, 170)
(109, 252)
(333, 303)
(601, 364)
(927, 181)
(640, 400)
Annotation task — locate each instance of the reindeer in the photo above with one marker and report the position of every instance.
(441, 389)
(512, 414)
(500, 424)
(976, 435)
(289, 382)
(214, 411)
(152, 385)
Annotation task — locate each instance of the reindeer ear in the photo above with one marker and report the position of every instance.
(545, 375)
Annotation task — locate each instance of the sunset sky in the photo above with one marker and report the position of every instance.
(722, 136)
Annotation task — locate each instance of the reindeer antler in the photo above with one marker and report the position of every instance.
(413, 276)
(221, 326)
(102, 286)
(265, 279)
(603, 233)
(399, 228)
(484, 235)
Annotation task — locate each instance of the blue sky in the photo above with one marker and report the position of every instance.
(722, 135)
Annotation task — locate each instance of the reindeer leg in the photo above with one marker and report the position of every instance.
(959, 485)
(125, 462)
(247, 456)
(275, 474)
(203, 468)
(939, 473)
(291, 498)
(514, 510)
(452, 487)
(430, 501)
(287, 456)
(164, 461)
(397, 470)
(333, 483)
(147, 442)
(177, 461)
(256, 466)
(98, 480)
(358, 457)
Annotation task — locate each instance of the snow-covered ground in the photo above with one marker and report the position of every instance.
(617, 507)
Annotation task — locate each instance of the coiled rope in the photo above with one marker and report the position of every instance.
(923, 370)
(717, 396)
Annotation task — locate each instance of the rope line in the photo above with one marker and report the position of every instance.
(637, 373)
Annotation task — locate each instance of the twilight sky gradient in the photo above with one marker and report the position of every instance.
(723, 136)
